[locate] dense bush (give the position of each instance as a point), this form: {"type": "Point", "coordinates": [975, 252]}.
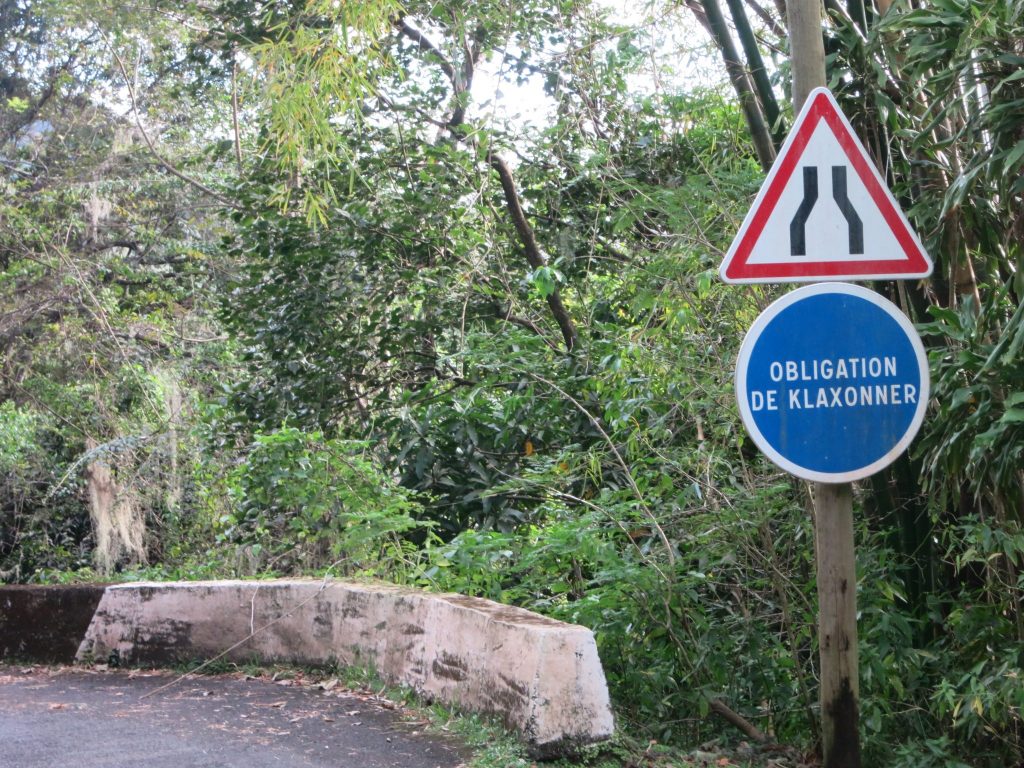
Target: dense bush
{"type": "Point", "coordinates": [299, 503]}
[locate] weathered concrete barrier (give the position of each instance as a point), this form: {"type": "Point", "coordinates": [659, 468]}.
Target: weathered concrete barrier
{"type": "Point", "coordinates": [541, 676]}
{"type": "Point", "coordinates": [45, 623]}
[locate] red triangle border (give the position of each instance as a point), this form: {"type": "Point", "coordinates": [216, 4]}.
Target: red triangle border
{"type": "Point", "coordinates": [735, 268]}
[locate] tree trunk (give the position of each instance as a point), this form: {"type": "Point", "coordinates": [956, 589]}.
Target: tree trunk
{"type": "Point", "coordinates": [738, 76]}
{"type": "Point", "coordinates": [758, 73]}
{"type": "Point", "coordinates": [534, 255]}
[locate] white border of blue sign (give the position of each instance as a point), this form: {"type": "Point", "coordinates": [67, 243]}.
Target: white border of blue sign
{"type": "Point", "coordinates": [743, 362]}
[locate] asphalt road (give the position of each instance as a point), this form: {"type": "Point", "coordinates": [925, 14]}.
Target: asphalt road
{"type": "Point", "coordinates": [88, 719]}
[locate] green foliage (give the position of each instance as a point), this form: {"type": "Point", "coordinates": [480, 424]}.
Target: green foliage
{"type": "Point", "coordinates": [980, 696]}
{"type": "Point", "coordinates": [964, 58]}
{"type": "Point", "coordinates": [963, 682]}
{"type": "Point", "coordinates": [303, 502]}
{"type": "Point", "coordinates": [28, 539]}
{"type": "Point", "coordinates": [935, 86]}
{"type": "Point", "coordinates": [19, 449]}
{"type": "Point", "coordinates": [316, 64]}
{"type": "Point", "coordinates": [670, 635]}
{"type": "Point", "coordinates": [977, 438]}
{"type": "Point", "coordinates": [105, 281]}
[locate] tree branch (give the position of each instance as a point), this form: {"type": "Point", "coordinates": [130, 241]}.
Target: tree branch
{"type": "Point", "coordinates": [534, 255]}
{"type": "Point", "coordinates": [152, 147]}
{"type": "Point", "coordinates": [131, 245]}
{"type": "Point", "coordinates": [766, 17]}
{"type": "Point", "coordinates": [234, 113]}
{"type": "Point", "coordinates": [461, 78]}
{"type": "Point", "coordinates": [750, 730]}
{"type": "Point", "coordinates": [460, 86]}
{"type": "Point", "coordinates": [505, 313]}
{"type": "Point", "coordinates": [427, 46]}
{"type": "Point", "coordinates": [54, 74]}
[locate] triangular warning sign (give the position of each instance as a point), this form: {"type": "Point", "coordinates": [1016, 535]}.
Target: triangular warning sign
{"type": "Point", "coordinates": [824, 212]}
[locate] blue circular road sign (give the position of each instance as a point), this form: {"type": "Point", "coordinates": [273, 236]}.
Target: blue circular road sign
{"type": "Point", "coordinates": [832, 382]}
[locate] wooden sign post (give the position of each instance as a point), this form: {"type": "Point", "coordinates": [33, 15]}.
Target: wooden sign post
{"type": "Point", "coordinates": [833, 504]}
{"type": "Point", "coordinates": [837, 625]}
{"type": "Point", "coordinates": [831, 379]}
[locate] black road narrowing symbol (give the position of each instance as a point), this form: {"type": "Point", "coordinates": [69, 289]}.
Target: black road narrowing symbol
{"type": "Point", "coordinates": [853, 222]}
{"type": "Point", "coordinates": [798, 226]}
{"type": "Point", "coordinates": [797, 241]}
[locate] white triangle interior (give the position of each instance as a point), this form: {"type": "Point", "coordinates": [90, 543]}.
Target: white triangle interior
{"type": "Point", "coordinates": [826, 230]}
